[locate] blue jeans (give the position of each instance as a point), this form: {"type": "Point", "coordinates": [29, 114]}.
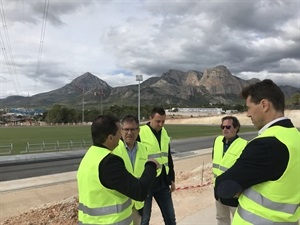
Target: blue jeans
{"type": "Point", "coordinates": [165, 203]}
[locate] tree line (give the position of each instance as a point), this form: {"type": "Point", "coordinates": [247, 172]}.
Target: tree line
{"type": "Point", "coordinates": [64, 114]}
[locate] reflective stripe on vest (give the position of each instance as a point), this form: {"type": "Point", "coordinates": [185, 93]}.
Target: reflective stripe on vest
{"type": "Point", "coordinates": [259, 199]}
{"type": "Point", "coordinates": [126, 221]}
{"type": "Point", "coordinates": [255, 219]}
{"type": "Point", "coordinates": [274, 201]}
{"type": "Point", "coordinates": [98, 204]}
{"type": "Point", "coordinates": [159, 155]}
{"type": "Point", "coordinates": [222, 168]}
{"type": "Point", "coordinates": [156, 151]}
{"type": "Point", "coordinates": [222, 162]}
{"type": "Point", "coordinates": [217, 166]}
{"type": "Point", "coordinates": [106, 210]}
{"type": "Point", "coordinates": [154, 156]}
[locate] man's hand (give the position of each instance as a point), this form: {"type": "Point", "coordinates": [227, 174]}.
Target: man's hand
{"type": "Point", "coordinates": [229, 189]}
{"type": "Point", "coordinates": [140, 211]}
{"type": "Point", "coordinates": [238, 195]}
{"type": "Point", "coordinates": [173, 187]}
{"type": "Point", "coordinates": [155, 161]}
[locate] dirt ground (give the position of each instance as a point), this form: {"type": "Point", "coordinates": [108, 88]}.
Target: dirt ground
{"type": "Point", "coordinates": [193, 189]}
{"type": "Point", "coordinates": [294, 115]}
{"type": "Point", "coordinates": [193, 192]}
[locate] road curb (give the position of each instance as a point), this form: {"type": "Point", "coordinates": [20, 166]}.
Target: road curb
{"type": "Point", "coordinates": [190, 154]}
{"type": "Point", "coordinates": [35, 182]}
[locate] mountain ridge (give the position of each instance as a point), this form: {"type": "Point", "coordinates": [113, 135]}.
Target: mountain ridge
{"type": "Point", "coordinates": [177, 88]}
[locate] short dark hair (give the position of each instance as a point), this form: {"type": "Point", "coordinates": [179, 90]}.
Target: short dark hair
{"type": "Point", "coordinates": [235, 122]}
{"type": "Point", "coordinates": [158, 110]}
{"type": "Point", "coordinates": [265, 89]}
{"type": "Point", "coordinates": [102, 127]}
{"type": "Point", "coordinates": [130, 119]}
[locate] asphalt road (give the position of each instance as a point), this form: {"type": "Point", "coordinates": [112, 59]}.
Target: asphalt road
{"type": "Point", "coordinates": [190, 144]}
{"type": "Point", "coordinates": [55, 163]}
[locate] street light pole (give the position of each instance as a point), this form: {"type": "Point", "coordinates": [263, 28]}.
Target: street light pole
{"type": "Point", "coordinates": [82, 108]}
{"type": "Point", "coordinates": [139, 78]}
{"type": "Point", "coordinates": [101, 99]}
{"type": "Point", "coordinates": [101, 93]}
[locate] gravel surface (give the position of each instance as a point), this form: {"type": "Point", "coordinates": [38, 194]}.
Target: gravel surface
{"type": "Point", "coordinates": [193, 192]}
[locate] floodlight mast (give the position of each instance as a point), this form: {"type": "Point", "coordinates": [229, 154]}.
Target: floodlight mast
{"type": "Point", "coordinates": [101, 93]}
{"type": "Point", "coordinates": [83, 93]}
{"type": "Point", "coordinates": [139, 78]}
{"type": "Point", "coordinates": [83, 106]}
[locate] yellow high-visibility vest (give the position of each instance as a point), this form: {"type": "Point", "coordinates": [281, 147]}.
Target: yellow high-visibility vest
{"type": "Point", "coordinates": [274, 202]}
{"type": "Point", "coordinates": [154, 151]}
{"type": "Point", "coordinates": [221, 162]}
{"type": "Point", "coordinates": [98, 204]}
{"type": "Point", "coordinates": [139, 164]}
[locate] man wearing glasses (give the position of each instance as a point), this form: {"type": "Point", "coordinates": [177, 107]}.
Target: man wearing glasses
{"type": "Point", "coordinates": [134, 155]}
{"type": "Point", "coordinates": [105, 187]}
{"type": "Point", "coordinates": [227, 148]}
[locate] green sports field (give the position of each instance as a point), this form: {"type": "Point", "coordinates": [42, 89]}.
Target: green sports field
{"type": "Point", "coordinates": [50, 135]}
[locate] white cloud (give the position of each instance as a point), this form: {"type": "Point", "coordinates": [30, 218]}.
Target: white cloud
{"type": "Point", "coordinates": [251, 38]}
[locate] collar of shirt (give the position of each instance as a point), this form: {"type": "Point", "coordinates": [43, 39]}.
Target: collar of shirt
{"type": "Point", "coordinates": [156, 134]}
{"type": "Point", "coordinates": [101, 146]}
{"type": "Point", "coordinates": [131, 150]}
{"type": "Point", "coordinates": [226, 145]}
{"type": "Point", "coordinates": [154, 131]}
{"type": "Point", "coordinates": [230, 140]}
{"type": "Point", "coordinates": [270, 123]}
{"type": "Point", "coordinates": [131, 153]}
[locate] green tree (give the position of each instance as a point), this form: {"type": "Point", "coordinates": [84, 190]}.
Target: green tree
{"type": "Point", "coordinates": [60, 114]}
{"type": "Point", "coordinates": [294, 101]}
{"type": "Point", "coordinates": [56, 114]}
{"type": "Point", "coordinates": [239, 107]}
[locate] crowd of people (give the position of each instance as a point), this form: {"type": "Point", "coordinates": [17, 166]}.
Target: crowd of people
{"type": "Point", "coordinates": [255, 182]}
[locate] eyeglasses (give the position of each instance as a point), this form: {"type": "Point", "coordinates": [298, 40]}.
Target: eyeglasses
{"type": "Point", "coordinates": [130, 129]}
{"type": "Point", "coordinates": [227, 127]}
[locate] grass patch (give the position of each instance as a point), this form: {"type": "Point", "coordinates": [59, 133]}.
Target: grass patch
{"type": "Point", "coordinates": [19, 136]}
{"type": "Point", "coordinates": [187, 131]}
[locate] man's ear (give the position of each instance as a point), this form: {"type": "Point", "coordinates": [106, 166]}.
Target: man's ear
{"type": "Point", "coordinates": [265, 104]}
{"type": "Point", "coordinates": [109, 137]}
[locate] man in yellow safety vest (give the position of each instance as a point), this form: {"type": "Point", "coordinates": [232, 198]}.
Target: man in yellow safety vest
{"type": "Point", "coordinates": [226, 150]}
{"type": "Point", "coordinates": [105, 187]}
{"type": "Point", "coordinates": [266, 177]}
{"type": "Point", "coordinates": [155, 137]}
{"type": "Point", "coordinates": [134, 155]}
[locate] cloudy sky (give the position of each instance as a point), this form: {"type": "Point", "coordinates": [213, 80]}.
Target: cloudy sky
{"type": "Point", "coordinates": [47, 43]}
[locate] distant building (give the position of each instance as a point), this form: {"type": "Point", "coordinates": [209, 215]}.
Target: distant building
{"type": "Point", "coordinates": [231, 111]}
{"type": "Point", "coordinates": [19, 116]}
{"type": "Point", "coordinates": [194, 112]}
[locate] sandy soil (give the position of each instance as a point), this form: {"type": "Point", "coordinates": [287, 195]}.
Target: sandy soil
{"type": "Point", "coordinates": [33, 206]}
{"type": "Point", "coordinates": [294, 115]}
{"type": "Point", "coordinates": [194, 189]}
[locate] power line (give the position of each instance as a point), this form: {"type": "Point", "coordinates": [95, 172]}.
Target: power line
{"type": "Point", "coordinates": [9, 58]}
{"type": "Point", "coordinates": [43, 31]}
{"type": "Point", "coordinates": [5, 55]}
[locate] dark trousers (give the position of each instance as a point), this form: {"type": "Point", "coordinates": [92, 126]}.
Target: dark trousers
{"type": "Point", "coordinates": [164, 200]}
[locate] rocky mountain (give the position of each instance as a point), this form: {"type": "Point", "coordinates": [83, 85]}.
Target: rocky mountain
{"type": "Point", "coordinates": [176, 88]}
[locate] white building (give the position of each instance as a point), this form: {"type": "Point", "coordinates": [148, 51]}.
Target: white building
{"type": "Point", "coordinates": [194, 112]}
